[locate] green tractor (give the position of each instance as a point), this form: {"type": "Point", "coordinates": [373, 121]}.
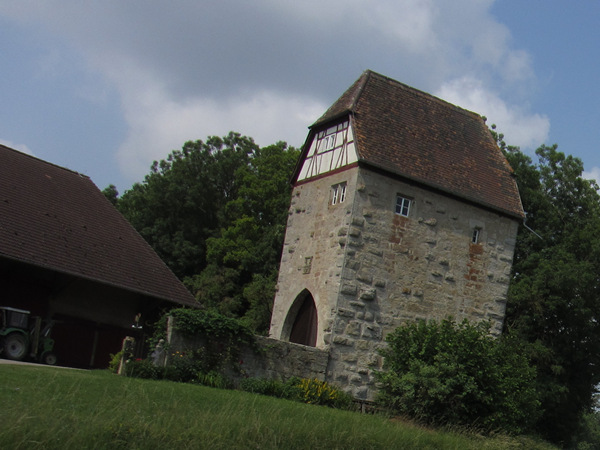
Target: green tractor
{"type": "Point", "coordinates": [19, 339]}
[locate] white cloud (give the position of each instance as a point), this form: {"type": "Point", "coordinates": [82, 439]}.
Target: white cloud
{"type": "Point", "coordinates": [20, 147]}
{"type": "Point", "coordinates": [519, 127]}
{"type": "Point", "coordinates": [593, 174]}
{"type": "Point", "coordinates": [158, 125]}
{"type": "Point", "coordinates": [269, 68]}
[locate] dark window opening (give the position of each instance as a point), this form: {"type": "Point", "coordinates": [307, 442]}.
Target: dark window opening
{"type": "Point", "coordinates": [475, 237]}
{"type": "Point", "coordinates": [304, 329]}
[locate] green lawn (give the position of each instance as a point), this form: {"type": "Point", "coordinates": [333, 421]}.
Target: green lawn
{"type": "Point", "coordinates": [50, 408]}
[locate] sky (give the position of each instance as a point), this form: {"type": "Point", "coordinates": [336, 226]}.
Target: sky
{"type": "Point", "coordinates": [105, 88]}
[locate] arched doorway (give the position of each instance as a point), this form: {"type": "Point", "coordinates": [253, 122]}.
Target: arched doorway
{"type": "Point", "coordinates": [302, 320]}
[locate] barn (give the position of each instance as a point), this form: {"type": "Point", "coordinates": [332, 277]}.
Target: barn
{"type": "Point", "coordinates": [67, 255]}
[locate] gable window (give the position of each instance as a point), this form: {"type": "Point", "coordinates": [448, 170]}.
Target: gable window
{"type": "Point", "coordinates": [338, 193]}
{"type": "Point", "coordinates": [402, 205]}
{"type": "Point", "coordinates": [327, 138]}
{"type": "Point", "coordinates": [329, 142]}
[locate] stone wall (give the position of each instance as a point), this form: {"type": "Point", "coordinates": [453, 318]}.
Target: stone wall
{"type": "Point", "coordinates": [272, 359]}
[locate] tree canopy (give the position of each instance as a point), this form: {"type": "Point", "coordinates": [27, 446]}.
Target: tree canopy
{"type": "Point", "coordinates": [215, 212]}
{"type": "Point", "coordinates": [554, 295]}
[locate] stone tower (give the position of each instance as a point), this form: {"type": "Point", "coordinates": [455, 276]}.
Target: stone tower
{"type": "Point", "coordinates": [403, 208]}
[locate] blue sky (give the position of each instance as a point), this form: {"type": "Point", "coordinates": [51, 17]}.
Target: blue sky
{"type": "Point", "coordinates": [105, 88]}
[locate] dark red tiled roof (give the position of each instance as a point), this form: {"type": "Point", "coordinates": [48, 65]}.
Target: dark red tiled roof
{"type": "Point", "coordinates": [55, 218]}
{"type": "Point", "coordinates": [413, 134]}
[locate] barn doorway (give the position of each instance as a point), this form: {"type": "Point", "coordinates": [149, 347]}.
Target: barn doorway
{"type": "Point", "coordinates": [302, 320]}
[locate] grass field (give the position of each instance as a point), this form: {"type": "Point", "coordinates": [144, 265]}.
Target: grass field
{"type": "Point", "coordinates": [50, 408]}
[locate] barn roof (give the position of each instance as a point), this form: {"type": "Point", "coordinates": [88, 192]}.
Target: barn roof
{"type": "Point", "coordinates": [415, 135]}
{"type": "Point", "coordinates": [58, 219]}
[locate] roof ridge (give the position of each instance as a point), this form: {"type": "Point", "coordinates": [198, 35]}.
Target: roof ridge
{"type": "Point", "coordinates": [364, 81]}
{"type": "Point", "coordinates": [20, 153]}
{"type": "Point", "coordinates": [346, 103]}
{"type": "Point", "coordinates": [424, 94]}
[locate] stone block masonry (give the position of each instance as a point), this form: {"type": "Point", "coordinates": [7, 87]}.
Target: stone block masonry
{"type": "Point", "coordinates": [272, 359]}
{"type": "Point", "coordinates": [373, 269]}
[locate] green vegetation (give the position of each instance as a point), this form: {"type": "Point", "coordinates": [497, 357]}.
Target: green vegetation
{"type": "Point", "coordinates": [554, 295]}
{"type": "Point", "coordinates": [228, 331]}
{"type": "Point", "coordinates": [306, 390]}
{"type": "Point", "coordinates": [215, 212]}
{"type": "Point", "coordinates": [447, 373]}
{"type": "Point", "coordinates": [218, 341]}
{"type": "Point", "coordinates": [51, 408]}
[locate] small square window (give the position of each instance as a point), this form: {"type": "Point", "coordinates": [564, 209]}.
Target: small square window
{"type": "Point", "coordinates": [475, 237]}
{"type": "Point", "coordinates": [338, 193]}
{"type": "Point", "coordinates": [402, 205]}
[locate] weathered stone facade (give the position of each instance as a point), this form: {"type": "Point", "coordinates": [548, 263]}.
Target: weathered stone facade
{"type": "Point", "coordinates": [372, 269]}
{"type": "Point", "coordinates": [403, 208]}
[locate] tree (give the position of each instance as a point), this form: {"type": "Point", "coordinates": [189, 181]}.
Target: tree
{"type": "Point", "coordinates": [215, 212]}
{"type": "Point", "coordinates": [111, 194]}
{"type": "Point", "coordinates": [244, 257]}
{"type": "Point", "coordinates": [554, 295]}
{"type": "Point", "coordinates": [180, 203]}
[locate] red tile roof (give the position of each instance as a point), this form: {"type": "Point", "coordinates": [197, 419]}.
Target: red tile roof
{"type": "Point", "coordinates": [417, 136]}
{"type": "Point", "coordinates": [58, 219]}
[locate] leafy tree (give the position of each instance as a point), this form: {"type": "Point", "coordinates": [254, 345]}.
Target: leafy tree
{"type": "Point", "coordinates": [447, 373]}
{"type": "Point", "coordinates": [180, 203]}
{"type": "Point", "coordinates": [215, 212]}
{"type": "Point", "coordinates": [588, 435]}
{"type": "Point", "coordinates": [243, 259]}
{"type": "Point", "coordinates": [554, 295]}
{"type": "Point", "coordinates": [111, 194]}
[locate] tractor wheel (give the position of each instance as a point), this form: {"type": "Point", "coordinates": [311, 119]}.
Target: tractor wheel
{"type": "Point", "coordinates": [15, 346]}
{"type": "Point", "coordinates": [49, 358]}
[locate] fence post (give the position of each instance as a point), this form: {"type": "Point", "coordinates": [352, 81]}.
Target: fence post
{"type": "Point", "coordinates": [128, 348]}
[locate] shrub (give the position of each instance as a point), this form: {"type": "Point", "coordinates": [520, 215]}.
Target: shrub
{"type": "Point", "coordinates": [447, 373]}
{"type": "Point", "coordinates": [199, 322]}
{"type": "Point", "coordinates": [183, 367]}
{"type": "Point", "coordinates": [319, 392]}
{"type": "Point", "coordinates": [306, 390]}
{"type": "Point", "coordinates": [142, 368]}
{"type": "Point", "coordinates": [115, 361]}
{"type": "Point", "coordinates": [273, 388]}
{"type": "Point", "coordinates": [214, 379]}
{"type": "Point", "coordinates": [222, 338]}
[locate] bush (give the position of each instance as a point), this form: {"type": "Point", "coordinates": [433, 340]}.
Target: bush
{"type": "Point", "coordinates": [447, 373]}
{"type": "Point", "coordinates": [222, 338]}
{"type": "Point", "coordinates": [273, 388]}
{"type": "Point", "coordinates": [142, 368]}
{"type": "Point", "coordinates": [115, 361]}
{"type": "Point", "coordinates": [214, 379]}
{"type": "Point", "coordinates": [184, 367]}
{"type": "Point", "coordinates": [306, 390]}
{"type": "Point", "coordinates": [319, 392]}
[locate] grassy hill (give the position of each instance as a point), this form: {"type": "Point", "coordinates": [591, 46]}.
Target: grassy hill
{"type": "Point", "coordinates": [51, 408]}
